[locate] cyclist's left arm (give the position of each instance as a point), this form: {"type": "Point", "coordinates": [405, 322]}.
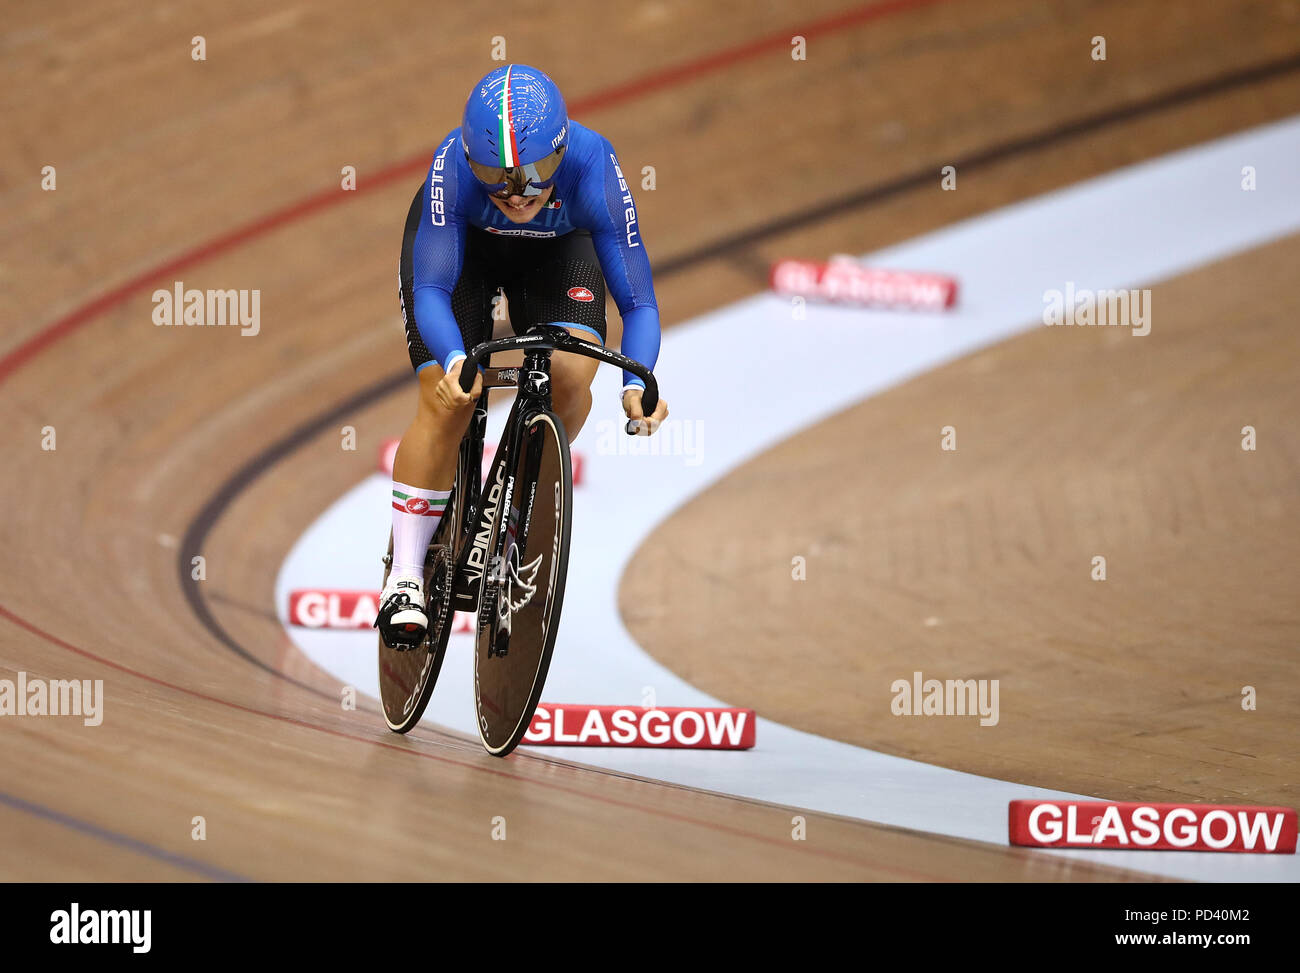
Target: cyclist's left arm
{"type": "Point", "coordinates": [605, 198]}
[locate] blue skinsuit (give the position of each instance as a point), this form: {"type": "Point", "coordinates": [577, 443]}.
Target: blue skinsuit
{"type": "Point", "coordinates": [593, 196]}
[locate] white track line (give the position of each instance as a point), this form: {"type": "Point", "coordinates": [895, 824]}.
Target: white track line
{"type": "Point", "coordinates": [1132, 227]}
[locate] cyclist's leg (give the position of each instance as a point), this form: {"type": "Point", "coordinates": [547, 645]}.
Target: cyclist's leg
{"type": "Point", "coordinates": [571, 377]}
{"type": "Point", "coordinates": [566, 287]}
{"type": "Point", "coordinates": [426, 456]}
{"type": "Point", "coordinates": [424, 467]}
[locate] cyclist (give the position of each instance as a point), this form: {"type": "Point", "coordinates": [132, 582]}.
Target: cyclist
{"type": "Point", "coordinates": [524, 201]}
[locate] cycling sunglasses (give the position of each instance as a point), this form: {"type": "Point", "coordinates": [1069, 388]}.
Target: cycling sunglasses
{"type": "Point", "coordinates": [529, 180]}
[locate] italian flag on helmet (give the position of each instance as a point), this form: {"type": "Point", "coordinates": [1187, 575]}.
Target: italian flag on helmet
{"type": "Point", "coordinates": [515, 116]}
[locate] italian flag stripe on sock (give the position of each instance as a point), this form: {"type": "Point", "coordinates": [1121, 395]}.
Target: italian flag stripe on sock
{"type": "Point", "coordinates": [418, 505]}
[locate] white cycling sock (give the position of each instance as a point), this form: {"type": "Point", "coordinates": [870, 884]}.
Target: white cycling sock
{"type": "Point", "coordinates": [416, 514]}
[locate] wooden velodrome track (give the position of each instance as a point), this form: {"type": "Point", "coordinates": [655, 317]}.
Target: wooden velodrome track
{"type": "Point", "coordinates": [175, 442]}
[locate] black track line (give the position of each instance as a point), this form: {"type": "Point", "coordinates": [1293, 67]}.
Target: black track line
{"type": "Point", "coordinates": [998, 152]}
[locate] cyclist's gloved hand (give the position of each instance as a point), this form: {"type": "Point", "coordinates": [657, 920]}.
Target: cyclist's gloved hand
{"type": "Point", "coordinates": [637, 422]}
{"type": "Point", "coordinates": [449, 393]}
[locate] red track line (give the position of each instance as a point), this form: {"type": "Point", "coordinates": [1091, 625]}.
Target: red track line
{"type": "Point", "coordinates": [637, 87]}
{"type": "Point", "coordinates": [478, 767]}
{"type": "Point", "coordinates": [712, 62]}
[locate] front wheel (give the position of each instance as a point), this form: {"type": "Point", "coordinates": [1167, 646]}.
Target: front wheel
{"type": "Point", "coordinates": [524, 590]}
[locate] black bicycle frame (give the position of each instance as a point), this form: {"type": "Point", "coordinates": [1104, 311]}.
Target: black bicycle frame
{"type": "Point", "coordinates": [476, 548]}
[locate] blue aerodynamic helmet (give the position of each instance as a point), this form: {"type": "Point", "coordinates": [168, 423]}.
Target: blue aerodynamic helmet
{"type": "Point", "coordinates": [515, 130]}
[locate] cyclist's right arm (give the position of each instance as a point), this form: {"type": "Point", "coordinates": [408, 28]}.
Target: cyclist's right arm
{"type": "Point", "coordinates": [436, 258]}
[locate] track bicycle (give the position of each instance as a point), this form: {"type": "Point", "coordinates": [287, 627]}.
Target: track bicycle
{"type": "Point", "coordinates": [501, 550]}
